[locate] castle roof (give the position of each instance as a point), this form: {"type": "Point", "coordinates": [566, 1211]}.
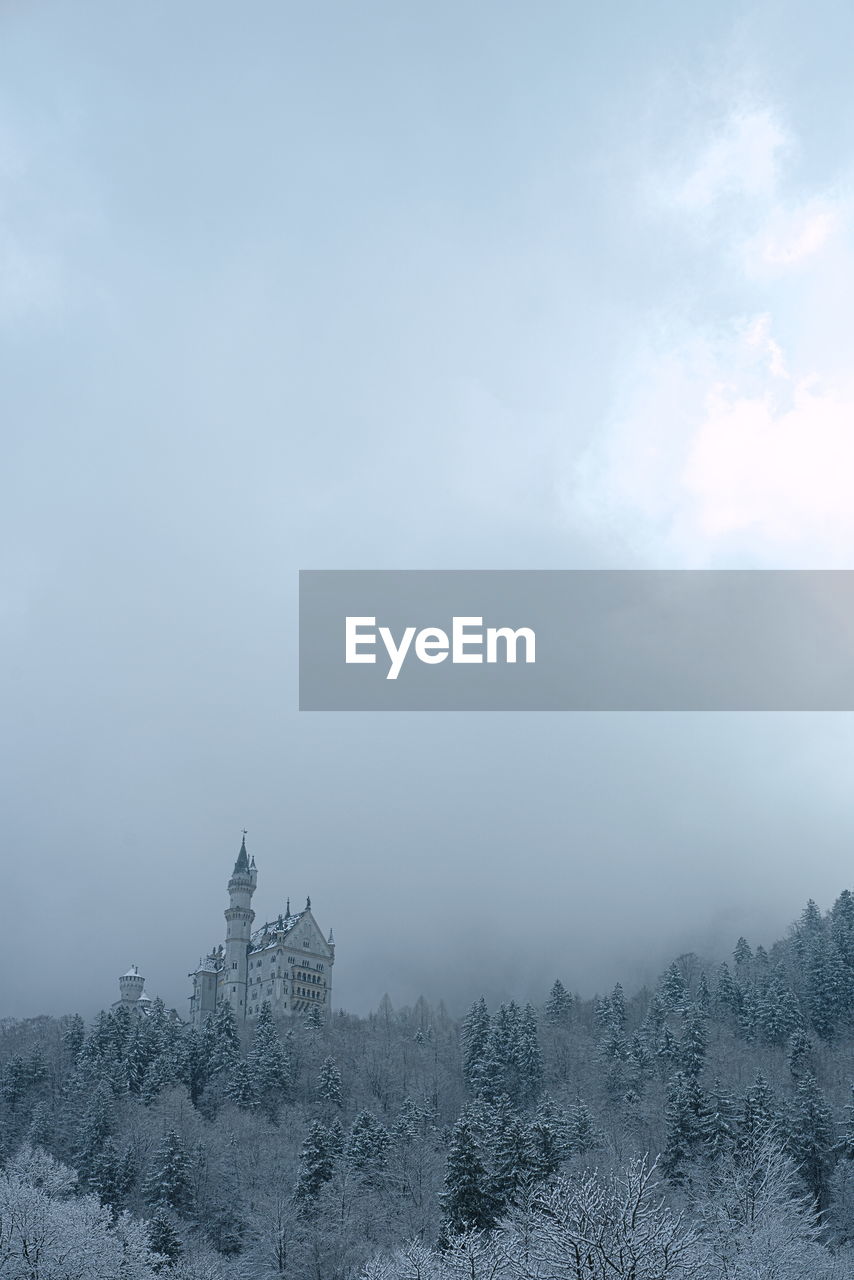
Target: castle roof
{"type": "Point", "coordinates": [270, 928]}
{"type": "Point", "coordinates": [242, 863]}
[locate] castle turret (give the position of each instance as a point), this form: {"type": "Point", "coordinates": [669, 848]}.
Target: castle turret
{"type": "Point", "coordinates": [238, 916]}
{"type": "Point", "coordinates": [131, 985]}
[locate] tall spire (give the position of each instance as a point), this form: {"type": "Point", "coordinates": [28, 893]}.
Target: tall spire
{"type": "Point", "coordinates": [242, 863]}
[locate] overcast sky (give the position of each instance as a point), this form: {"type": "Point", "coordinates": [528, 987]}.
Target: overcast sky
{"type": "Point", "coordinates": [437, 285]}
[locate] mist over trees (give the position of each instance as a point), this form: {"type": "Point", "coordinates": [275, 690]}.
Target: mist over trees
{"type": "Point", "coordinates": [701, 1128]}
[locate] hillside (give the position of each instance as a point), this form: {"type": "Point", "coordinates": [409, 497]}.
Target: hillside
{"type": "Point", "coordinates": [506, 1141]}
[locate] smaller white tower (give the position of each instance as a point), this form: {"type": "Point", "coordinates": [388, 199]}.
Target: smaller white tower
{"type": "Point", "coordinates": [131, 986]}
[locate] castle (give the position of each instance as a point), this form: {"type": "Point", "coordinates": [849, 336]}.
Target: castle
{"type": "Point", "coordinates": [286, 963]}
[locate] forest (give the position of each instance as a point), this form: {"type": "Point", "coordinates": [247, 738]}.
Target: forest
{"type": "Point", "coordinates": [703, 1127]}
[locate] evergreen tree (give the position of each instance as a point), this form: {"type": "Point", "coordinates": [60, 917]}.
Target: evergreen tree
{"type": "Point", "coordinates": [162, 1073]}
{"type": "Point", "coordinates": [242, 1086]}
{"type": "Point", "coordinates": [558, 1010]}
{"type": "Point", "coordinates": [317, 1162]}
{"type": "Point", "coordinates": [499, 1071]}
{"type": "Point", "coordinates": [800, 1053]}
{"type": "Point", "coordinates": [511, 1155]}
{"type": "Point", "coordinates": [14, 1081]}
{"type": "Point", "coordinates": [269, 1063]}
{"type": "Point", "coordinates": [549, 1139]}
{"type": "Point", "coordinates": [777, 1011]}
{"type": "Point", "coordinates": [113, 1175]}
{"type": "Point", "coordinates": [842, 927]}
{"type": "Point", "coordinates": [827, 983]}
{"type": "Point", "coordinates": [719, 1124]}
{"type": "Point", "coordinates": [195, 1063]}
{"type": "Point", "coordinates": [73, 1035]}
{"type": "Point", "coordinates": [667, 1051]}
{"type": "Point", "coordinates": [36, 1068]}
{"type": "Point", "coordinates": [95, 1127]}
{"type": "Point", "coordinates": [475, 1036]}
{"type": "Point", "coordinates": [673, 987]}
{"type": "Point", "coordinates": [686, 1114]}
{"type": "Point", "coordinates": [367, 1147]}
{"type": "Point", "coordinates": [529, 1055]}
{"type": "Point", "coordinates": [640, 1062]}
{"type": "Point", "coordinates": [41, 1125]}
{"type": "Point", "coordinates": [704, 995]}
{"type": "Point", "coordinates": [330, 1084]}
{"type": "Point", "coordinates": [225, 1049]}
{"type": "Point", "coordinates": [811, 1138]}
{"type": "Point", "coordinates": [759, 1118]}
{"type": "Point", "coordinates": [692, 1050]}
{"type": "Point", "coordinates": [728, 995]}
{"type": "Point", "coordinates": [742, 955]}
{"type": "Point", "coordinates": [168, 1184]}
{"type": "Point", "coordinates": [748, 1014]}
{"type": "Point", "coordinates": [618, 1007]}
{"type": "Point", "coordinates": [468, 1200]}
{"type": "Point", "coordinates": [602, 1013]}
{"type": "Point", "coordinates": [164, 1240]}
{"type": "Point", "coordinates": [845, 1148]}
{"type": "Point", "coordinates": [583, 1135]}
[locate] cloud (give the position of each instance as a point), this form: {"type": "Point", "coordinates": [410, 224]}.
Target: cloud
{"type": "Point", "coordinates": [742, 160]}
{"type": "Point", "coordinates": [731, 438]}
{"type": "Point", "coordinates": [788, 236]}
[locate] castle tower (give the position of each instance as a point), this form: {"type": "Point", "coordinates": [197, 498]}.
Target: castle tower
{"type": "Point", "coordinates": [238, 917]}
{"type": "Point", "coordinates": [130, 987]}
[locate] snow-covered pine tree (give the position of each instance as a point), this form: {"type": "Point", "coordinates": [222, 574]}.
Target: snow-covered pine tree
{"type": "Point", "coordinates": [168, 1184]}
{"type": "Point", "coordinates": [511, 1155]}
{"type": "Point", "coordinates": [742, 955]}
{"type": "Point", "coordinates": [316, 1163]}
{"type": "Point", "coordinates": [96, 1125]}
{"type": "Point", "coordinates": [164, 1240]}
{"type": "Point", "coordinates": [800, 1053]}
{"type": "Point", "coordinates": [686, 1114]}
{"type": "Point", "coordinates": [73, 1035]}
{"type": "Point", "coordinates": [692, 1047]}
{"type": "Point", "coordinates": [367, 1147]}
{"type": "Point", "coordinates": [558, 1008]}
{"type": "Point", "coordinates": [673, 988]}
{"type": "Point", "coordinates": [468, 1200]}
{"type": "Point", "coordinates": [811, 1137]}
{"type": "Point", "coordinates": [113, 1175]}
{"type": "Point", "coordinates": [241, 1085]}
{"type": "Point", "coordinates": [330, 1086]}
{"type": "Point", "coordinates": [475, 1034]}
{"type": "Point", "coordinates": [529, 1056]}
{"type": "Point", "coordinates": [225, 1049]}
{"type": "Point", "coordinates": [583, 1133]}
{"type": "Point", "coordinates": [41, 1125]}
{"type": "Point", "coordinates": [269, 1064]}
